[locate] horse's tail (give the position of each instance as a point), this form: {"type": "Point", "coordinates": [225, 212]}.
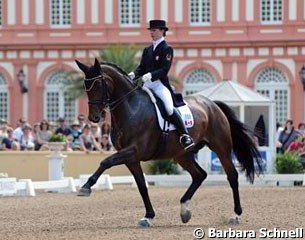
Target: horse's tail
{"type": "Point", "coordinates": [244, 146]}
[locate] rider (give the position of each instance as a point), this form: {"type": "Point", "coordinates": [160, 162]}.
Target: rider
{"type": "Point", "coordinates": [154, 66]}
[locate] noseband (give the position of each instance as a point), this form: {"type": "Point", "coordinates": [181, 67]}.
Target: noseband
{"type": "Point", "coordinates": [105, 101]}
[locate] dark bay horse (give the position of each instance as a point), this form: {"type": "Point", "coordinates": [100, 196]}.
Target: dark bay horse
{"type": "Point", "coordinates": [136, 134]}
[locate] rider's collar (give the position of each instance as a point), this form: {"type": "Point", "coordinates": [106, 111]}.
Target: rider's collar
{"type": "Point", "coordinates": [157, 42]}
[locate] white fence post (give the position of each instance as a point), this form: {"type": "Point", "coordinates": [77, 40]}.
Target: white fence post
{"type": "Point", "coordinates": [29, 188]}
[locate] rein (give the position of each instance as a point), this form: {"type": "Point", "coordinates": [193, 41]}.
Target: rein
{"type": "Point", "coordinates": [106, 101]}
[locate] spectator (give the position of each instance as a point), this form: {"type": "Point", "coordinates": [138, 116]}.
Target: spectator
{"type": "Point", "coordinates": [27, 140]}
{"type": "Point", "coordinates": [287, 136]}
{"type": "Point", "coordinates": [297, 146]}
{"type": "Point", "coordinates": [301, 128]}
{"type": "Point", "coordinates": [3, 129]}
{"type": "Point", "coordinates": [42, 134]}
{"type": "Point", "coordinates": [9, 142]}
{"type": "Point", "coordinates": [82, 120]}
{"type": "Point", "coordinates": [19, 130]}
{"type": "Point", "coordinates": [63, 128]}
{"type": "Point", "coordinates": [105, 128]}
{"type": "Point", "coordinates": [87, 141]}
{"type": "Point", "coordinates": [96, 132]}
{"type": "Point", "coordinates": [105, 143]}
{"type": "Point", "coordinates": [69, 144]}
{"type": "Point", "coordinates": [52, 127]}
{"type": "Point", "coordinates": [75, 133]}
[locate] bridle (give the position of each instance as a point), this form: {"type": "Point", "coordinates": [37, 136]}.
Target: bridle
{"type": "Point", "coordinates": [105, 101]}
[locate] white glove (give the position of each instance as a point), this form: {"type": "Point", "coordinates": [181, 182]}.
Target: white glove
{"type": "Point", "coordinates": [131, 75]}
{"type": "Point", "coordinates": [146, 77]}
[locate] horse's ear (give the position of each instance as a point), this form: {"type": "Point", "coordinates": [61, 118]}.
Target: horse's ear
{"type": "Point", "coordinates": [97, 64]}
{"type": "Point", "coordinates": [82, 66]}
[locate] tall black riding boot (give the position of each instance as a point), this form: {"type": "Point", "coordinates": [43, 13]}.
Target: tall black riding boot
{"type": "Point", "coordinates": [185, 139]}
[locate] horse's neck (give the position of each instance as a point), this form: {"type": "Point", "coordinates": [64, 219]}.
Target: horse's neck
{"type": "Point", "coordinates": [133, 106]}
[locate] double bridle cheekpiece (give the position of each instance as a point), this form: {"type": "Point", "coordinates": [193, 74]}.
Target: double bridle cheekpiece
{"type": "Point", "coordinates": [105, 101]}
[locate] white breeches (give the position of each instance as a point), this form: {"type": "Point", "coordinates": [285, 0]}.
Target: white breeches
{"type": "Point", "coordinates": [163, 93]}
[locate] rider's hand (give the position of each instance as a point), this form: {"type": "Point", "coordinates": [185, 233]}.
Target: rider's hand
{"type": "Point", "coordinates": [146, 77]}
{"type": "Point", "coordinates": [131, 75]}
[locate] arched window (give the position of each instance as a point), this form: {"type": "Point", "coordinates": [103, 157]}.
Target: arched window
{"type": "Point", "coordinates": [3, 98]}
{"type": "Point", "coordinates": [198, 80]}
{"type": "Point", "coordinates": [273, 83]}
{"type": "Point", "coordinates": [57, 100]}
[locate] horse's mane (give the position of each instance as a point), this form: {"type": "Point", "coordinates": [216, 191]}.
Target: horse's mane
{"type": "Point", "coordinates": [116, 67]}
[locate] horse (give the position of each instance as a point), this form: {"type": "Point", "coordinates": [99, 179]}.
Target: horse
{"type": "Point", "coordinates": [136, 134]}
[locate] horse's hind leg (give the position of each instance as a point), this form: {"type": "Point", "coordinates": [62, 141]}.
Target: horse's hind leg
{"type": "Point", "coordinates": [137, 172]}
{"type": "Point", "coordinates": [232, 176]}
{"type": "Point", "coordinates": [187, 161]}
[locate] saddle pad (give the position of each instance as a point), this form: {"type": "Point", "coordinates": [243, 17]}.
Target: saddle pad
{"type": "Point", "coordinates": [185, 112]}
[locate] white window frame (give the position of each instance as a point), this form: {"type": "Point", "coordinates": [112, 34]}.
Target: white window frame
{"type": "Point", "coordinates": [200, 23]}
{"type": "Point", "coordinates": [129, 15]}
{"type": "Point", "coordinates": [196, 87]}
{"type": "Point", "coordinates": [4, 89]}
{"type": "Point", "coordinates": [58, 89]}
{"type": "Point", "coordinates": [61, 25]}
{"type": "Point", "coordinates": [275, 22]}
{"type": "Point", "coordinates": [272, 87]}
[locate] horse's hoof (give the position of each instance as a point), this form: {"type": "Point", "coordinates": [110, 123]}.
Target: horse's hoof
{"type": "Point", "coordinates": [235, 220]}
{"type": "Point", "coordinates": [185, 212]}
{"type": "Point", "coordinates": [84, 192]}
{"type": "Point", "coordinates": [145, 222]}
{"type": "Point", "coordinates": [186, 216]}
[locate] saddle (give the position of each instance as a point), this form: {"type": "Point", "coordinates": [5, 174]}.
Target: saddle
{"type": "Point", "coordinates": [163, 120]}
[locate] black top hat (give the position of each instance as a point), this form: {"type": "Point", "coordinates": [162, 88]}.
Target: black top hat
{"type": "Point", "coordinates": [161, 24]}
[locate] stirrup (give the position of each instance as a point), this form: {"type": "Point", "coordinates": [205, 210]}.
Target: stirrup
{"type": "Point", "coordinates": [186, 141]}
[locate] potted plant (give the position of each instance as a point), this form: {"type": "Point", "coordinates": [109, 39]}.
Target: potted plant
{"type": "Point", "coordinates": [57, 142]}
{"type": "Point", "coordinates": [287, 163]}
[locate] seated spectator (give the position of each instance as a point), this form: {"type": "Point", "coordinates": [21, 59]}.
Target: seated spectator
{"type": "Point", "coordinates": [3, 129]}
{"type": "Point", "coordinates": [105, 143]}
{"type": "Point", "coordinates": [76, 132]}
{"type": "Point", "coordinates": [19, 130]}
{"type": "Point", "coordinates": [301, 128]}
{"type": "Point", "coordinates": [52, 127]}
{"type": "Point", "coordinates": [63, 128]}
{"type": "Point", "coordinates": [87, 141]}
{"type": "Point", "coordinates": [96, 132]}
{"type": "Point", "coordinates": [27, 140]}
{"type": "Point", "coordinates": [105, 128]}
{"type": "Point", "coordinates": [82, 120]}
{"type": "Point", "coordinates": [42, 134]}
{"type": "Point", "coordinates": [9, 142]}
{"type": "Point", "coordinates": [69, 144]}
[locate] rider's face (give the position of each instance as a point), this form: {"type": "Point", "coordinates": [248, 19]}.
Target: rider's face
{"type": "Point", "coordinates": [156, 33]}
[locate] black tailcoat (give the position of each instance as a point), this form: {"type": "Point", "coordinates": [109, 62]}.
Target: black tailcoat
{"type": "Point", "coordinates": [158, 63]}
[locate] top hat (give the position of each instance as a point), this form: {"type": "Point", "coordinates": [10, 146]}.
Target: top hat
{"type": "Point", "coordinates": [161, 24]}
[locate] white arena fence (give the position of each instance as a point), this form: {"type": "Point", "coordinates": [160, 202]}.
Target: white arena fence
{"type": "Point", "coordinates": [27, 187]}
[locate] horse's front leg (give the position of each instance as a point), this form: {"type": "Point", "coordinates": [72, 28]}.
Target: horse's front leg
{"type": "Point", "coordinates": [137, 172]}
{"type": "Point", "coordinates": [121, 157]}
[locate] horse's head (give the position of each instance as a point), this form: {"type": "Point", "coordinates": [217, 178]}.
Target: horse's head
{"type": "Point", "coordinates": [98, 89]}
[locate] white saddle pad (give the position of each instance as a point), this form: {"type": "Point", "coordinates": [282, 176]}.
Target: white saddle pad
{"type": "Point", "coordinates": [185, 112]}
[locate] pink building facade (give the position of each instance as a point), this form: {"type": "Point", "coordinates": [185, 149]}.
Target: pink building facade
{"type": "Point", "coordinates": [258, 43]}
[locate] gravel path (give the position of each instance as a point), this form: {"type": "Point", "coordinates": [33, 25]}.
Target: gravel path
{"type": "Point", "coordinates": [114, 214]}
